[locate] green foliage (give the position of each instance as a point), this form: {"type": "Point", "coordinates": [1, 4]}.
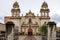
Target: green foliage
{"type": "Point", "coordinates": [43, 28]}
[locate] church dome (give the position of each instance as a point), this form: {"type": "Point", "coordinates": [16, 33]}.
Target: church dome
{"type": "Point", "coordinates": [15, 5]}
{"type": "Point", "coordinates": [44, 5]}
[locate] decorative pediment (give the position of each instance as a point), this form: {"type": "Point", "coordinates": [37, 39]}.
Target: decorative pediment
{"type": "Point", "coordinates": [30, 14]}
{"type": "Point", "coordinates": [32, 24]}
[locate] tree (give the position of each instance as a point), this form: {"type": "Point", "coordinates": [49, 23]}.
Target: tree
{"type": "Point", "coordinates": [43, 29]}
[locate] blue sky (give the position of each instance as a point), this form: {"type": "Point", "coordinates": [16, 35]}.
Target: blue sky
{"type": "Point", "coordinates": [33, 5]}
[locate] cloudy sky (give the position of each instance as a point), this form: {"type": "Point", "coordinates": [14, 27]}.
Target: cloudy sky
{"type": "Point", "coordinates": [33, 5]}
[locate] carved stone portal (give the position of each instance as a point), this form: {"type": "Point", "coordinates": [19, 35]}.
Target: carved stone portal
{"type": "Point", "coordinates": [30, 32]}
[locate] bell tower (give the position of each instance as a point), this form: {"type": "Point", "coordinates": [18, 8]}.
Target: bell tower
{"type": "Point", "coordinates": [44, 10]}
{"type": "Point", "coordinates": [15, 10]}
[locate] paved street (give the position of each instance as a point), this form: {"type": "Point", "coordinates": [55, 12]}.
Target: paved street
{"type": "Point", "coordinates": [30, 38]}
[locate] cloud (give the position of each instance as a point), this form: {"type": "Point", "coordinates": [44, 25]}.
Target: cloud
{"type": "Point", "coordinates": [1, 19]}
{"type": "Point", "coordinates": [56, 18]}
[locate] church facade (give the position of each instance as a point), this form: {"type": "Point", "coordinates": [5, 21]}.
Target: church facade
{"type": "Point", "coordinates": [29, 21]}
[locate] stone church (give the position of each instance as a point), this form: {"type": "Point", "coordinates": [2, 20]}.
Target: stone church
{"type": "Point", "coordinates": [29, 21]}
{"type": "Point", "coordinates": [16, 24]}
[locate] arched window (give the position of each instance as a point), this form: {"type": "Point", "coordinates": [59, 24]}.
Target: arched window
{"type": "Point", "coordinates": [30, 20]}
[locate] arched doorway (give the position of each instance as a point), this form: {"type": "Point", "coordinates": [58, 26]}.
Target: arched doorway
{"type": "Point", "coordinates": [30, 32]}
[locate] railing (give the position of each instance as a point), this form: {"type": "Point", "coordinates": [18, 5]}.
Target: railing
{"type": "Point", "coordinates": [2, 38]}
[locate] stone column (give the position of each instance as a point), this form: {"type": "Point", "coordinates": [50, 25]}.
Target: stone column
{"type": "Point", "coordinates": [54, 33]}
{"type": "Point", "coordinates": [51, 31]}
{"type": "Point", "coordinates": [24, 30]}
{"type": "Point", "coordinates": [35, 30]}
{"type": "Point", "coordinates": [48, 36]}
{"type": "Point", "coordinates": [11, 35]}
